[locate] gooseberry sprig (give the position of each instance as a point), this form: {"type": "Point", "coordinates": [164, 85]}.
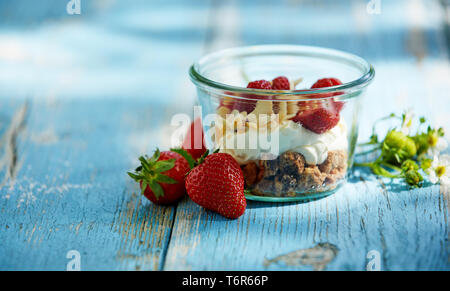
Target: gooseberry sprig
{"type": "Point", "coordinates": [404, 155]}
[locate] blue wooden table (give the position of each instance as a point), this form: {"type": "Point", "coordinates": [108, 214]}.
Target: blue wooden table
{"type": "Point", "coordinates": [82, 96]}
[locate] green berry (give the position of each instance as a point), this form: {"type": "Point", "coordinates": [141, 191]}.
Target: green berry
{"type": "Point", "coordinates": [409, 165]}
{"type": "Point", "coordinates": [410, 147]}
{"type": "Point", "coordinates": [395, 140]}
{"type": "Point", "coordinates": [413, 178]}
{"type": "Point", "coordinates": [397, 147]}
{"type": "Point", "coordinates": [421, 141]}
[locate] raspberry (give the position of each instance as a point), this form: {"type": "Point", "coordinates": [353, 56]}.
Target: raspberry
{"type": "Point", "coordinates": [260, 84]}
{"type": "Point", "coordinates": [318, 120]}
{"type": "Point", "coordinates": [244, 105]}
{"type": "Point", "coordinates": [326, 82]}
{"type": "Point", "coordinates": [329, 82]}
{"type": "Point", "coordinates": [281, 83]}
{"type": "Point", "coordinates": [249, 105]}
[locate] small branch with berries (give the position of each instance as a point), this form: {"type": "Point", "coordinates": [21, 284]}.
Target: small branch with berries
{"type": "Point", "coordinates": [406, 155]}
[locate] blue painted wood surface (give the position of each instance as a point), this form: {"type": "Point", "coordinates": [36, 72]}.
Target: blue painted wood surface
{"type": "Point", "coordinates": [82, 96]}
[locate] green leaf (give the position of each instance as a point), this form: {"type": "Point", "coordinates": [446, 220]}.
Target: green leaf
{"type": "Point", "coordinates": [380, 171]}
{"type": "Point", "coordinates": [145, 164]}
{"type": "Point", "coordinates": [165, 179]}
{"type": "Point", "coordinates": [397, 158]}
{"type": "Point", "coordinates": [392, 167]}
{"type": "Point", "coordinates": [143, 186]}
{"type": "Point", "coordinates": [203, 157]}
{"type": "Point", "coordinates": [162, 166]}
{"type": "Point", "coordinates": [156, 189]}
{"type": "Point", "coordinates": [373, 139]}
{"type": "Point", "coordinates": [155, 156]}
{"type": "Point", "coordinates": [135, 177]}
{"type": "Point", "coordinates": [185, 155]}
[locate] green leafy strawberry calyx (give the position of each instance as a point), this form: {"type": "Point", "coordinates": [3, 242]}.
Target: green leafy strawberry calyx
{"type": "Point", "coordinates": [191, 161]}
{"type": "Point", "coordinates": [149, 173]}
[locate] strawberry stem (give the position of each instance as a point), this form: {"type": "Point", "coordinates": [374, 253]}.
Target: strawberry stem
{"type": "Point", "coordinates": [149, 173]}
{"type": "Point", "coordinates": [185, 155]}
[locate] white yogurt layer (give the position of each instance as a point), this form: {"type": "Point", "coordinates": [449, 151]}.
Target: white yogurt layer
{"type": "Point", "coordinates": [292, 137]}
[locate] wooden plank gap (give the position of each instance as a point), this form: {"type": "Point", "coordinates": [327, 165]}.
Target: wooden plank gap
{"type": "Point", "coordinates": [10, 158]}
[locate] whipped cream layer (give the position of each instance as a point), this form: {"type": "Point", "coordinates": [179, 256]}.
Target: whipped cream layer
{"type": "Point", "coordinates": [292, 137]}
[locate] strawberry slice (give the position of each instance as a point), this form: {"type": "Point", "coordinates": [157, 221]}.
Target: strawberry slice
{"type": "Point", "coordinates": [318, 120]}
{"type": "Point", "coordinates": [321, 115]}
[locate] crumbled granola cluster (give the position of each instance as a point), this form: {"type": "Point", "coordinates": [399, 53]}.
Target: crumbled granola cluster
{"type": "Point", "coordinates": [290, 175]}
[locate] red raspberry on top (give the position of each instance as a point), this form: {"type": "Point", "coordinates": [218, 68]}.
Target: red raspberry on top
{"type": "Point", "coordinates": [330, 82]}
{"type": "Point", "coordinates": [281, 83]}
{"type": "Point", "coordinates": [322, 115]}
{"type": "Point", "coordinates": [326, 82]}
{"type": "Point", "coordinates": [249, 105]}
{"type": "Point", "coordinates": [260, 84]}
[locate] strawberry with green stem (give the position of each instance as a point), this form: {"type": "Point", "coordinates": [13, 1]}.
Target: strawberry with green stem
{"type": "Point", "coordinates": [161, 177]}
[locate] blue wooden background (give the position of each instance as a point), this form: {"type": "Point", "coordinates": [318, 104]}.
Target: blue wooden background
{"type": "Point", "coordinates": [81, 96]}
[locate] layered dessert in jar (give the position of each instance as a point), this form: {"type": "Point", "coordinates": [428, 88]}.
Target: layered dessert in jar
{"type": "Point", "coordinates": [293, 137]}
{"type": "Point", "coordinates": [312, 150]}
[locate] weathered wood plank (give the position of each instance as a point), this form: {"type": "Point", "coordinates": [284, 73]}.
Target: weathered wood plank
{"type": "Point", "coordinates": [71, 191]}
{"type": "Point", "coordinates": [407, 229]}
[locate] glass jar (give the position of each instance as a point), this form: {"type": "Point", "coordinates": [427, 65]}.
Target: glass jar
{"type": "Point", "coordinates": [292, 145]}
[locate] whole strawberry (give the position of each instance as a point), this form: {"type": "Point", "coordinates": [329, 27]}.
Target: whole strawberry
{"type": "Point", "coordinates": [194, 141]}
{"type": "Point", "coordinates": [161, 177]}
{"type": "Point", "coordinates": [217, 184]}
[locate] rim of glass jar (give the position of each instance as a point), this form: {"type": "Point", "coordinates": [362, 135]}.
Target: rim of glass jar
{"type": "Point", "coordinates": [295, 50]}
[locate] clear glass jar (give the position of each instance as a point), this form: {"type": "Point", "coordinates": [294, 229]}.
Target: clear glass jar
{"type": "Point", "coordinates": [292, 145]}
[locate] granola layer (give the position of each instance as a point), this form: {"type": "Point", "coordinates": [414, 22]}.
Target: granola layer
{"type": "Point", "coordinates": [289, 175]}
